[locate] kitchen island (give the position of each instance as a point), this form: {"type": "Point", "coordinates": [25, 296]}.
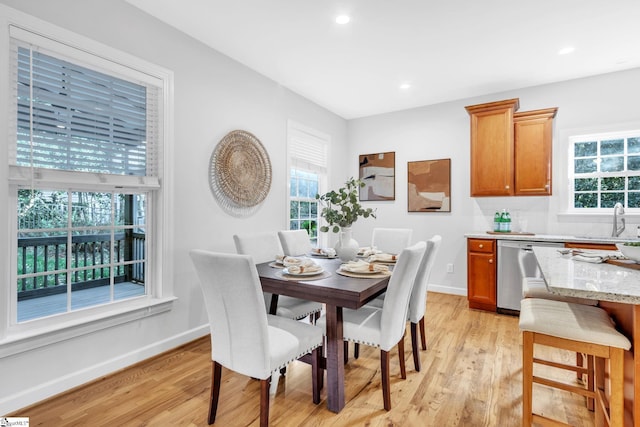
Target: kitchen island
{"type": "Point", "coordinates": [617, 288]}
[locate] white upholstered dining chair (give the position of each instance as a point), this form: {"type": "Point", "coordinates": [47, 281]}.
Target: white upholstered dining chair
{"type": "Point", "coordinates": [233, 300]}
{"type": "Point", "coordinates": [418, 301]}
{"type": "Point", "coordinates": [385, 328]}
{"type": "Point", "coordinates": [391, 240]}
{"type": "Point", "coordinates": [263, 246]}
{"type": "Point", "coordinates": [295, 242]}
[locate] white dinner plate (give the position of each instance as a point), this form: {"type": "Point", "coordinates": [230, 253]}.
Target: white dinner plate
{"type": "Point", "coordinates": [310, 273]}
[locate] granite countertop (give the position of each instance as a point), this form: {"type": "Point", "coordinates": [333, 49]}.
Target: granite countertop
{"type": "Point", "coordinates": [547, 237]}
{"type": "Point", "coordinates": [599, 281]}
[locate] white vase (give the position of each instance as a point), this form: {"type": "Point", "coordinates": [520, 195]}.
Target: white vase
{"type": "Point", "coordinates": [346, 248]}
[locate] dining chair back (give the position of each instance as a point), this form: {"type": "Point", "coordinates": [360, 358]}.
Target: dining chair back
{"type": "Point", "coordinates": [233, 300]}
{"type": "Point", "coordinates": [295, 242]}
{"type": "Point", "coordinates": [263, 246]}
{"type": "Point", "coordinates": [391, 240]}
{"type": "Point", "coordinates": [418, 301]}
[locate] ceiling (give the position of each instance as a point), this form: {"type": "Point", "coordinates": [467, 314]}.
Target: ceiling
{"type": "Point", "coordinates": [446, 50]}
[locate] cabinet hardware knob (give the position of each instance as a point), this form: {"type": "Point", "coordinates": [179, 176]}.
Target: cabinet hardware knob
{"type": "Point", "coordinates": [506, 186]}
{"type": "Point", "coordinates": [481, 245]}
{"type": "Point", "coordinates": [491, 261]}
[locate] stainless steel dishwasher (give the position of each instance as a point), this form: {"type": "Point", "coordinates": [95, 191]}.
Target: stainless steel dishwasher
{"type": "Point", "coordinates": [515, 261]}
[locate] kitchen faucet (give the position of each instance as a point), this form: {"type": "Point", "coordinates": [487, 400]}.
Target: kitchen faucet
{"type": "Point", "coordinates": [618, 209]}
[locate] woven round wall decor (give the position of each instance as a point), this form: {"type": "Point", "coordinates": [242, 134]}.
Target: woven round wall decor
{"type": "Point", "coordinates": [240, 173]}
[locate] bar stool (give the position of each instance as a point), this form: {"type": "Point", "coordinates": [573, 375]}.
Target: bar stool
{"type": "Point", "coordinates": [536, 287]}
{"type": "Point", "coordinates": [574, 327]}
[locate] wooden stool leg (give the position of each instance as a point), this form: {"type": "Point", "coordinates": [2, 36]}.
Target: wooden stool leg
{"type": "Point", "coordinates": [616, 377]}
{"type": "Point", "coordinates": [579, 362]}
{"type": "Point", "coordinates": [527, 378]}
{"type": "Point", "coordinates": [590, 380]}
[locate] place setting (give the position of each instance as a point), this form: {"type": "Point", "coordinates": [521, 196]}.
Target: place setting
{"type": "Point", "coordinates": [299, 268]}
{"type": "Point", "coordinates": [372, 254]}
{"type": "Point", "coordinates": [364, 269]}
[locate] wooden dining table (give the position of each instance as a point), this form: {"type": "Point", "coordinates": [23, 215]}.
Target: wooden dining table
{"type": "Point", "coordinates": [336, 291]}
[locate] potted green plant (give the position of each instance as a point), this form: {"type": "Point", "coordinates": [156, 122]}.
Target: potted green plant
{"type": "Point", "coordinates": [341, 209]}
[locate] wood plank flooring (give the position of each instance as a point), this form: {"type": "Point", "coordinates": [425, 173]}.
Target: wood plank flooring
{"type": "Point", "coordinates": [471, 376]}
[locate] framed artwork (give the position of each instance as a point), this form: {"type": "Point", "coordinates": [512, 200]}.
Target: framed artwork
{"type": "Point", "coordinates": [429, 186]}
{"type": "Point", "coordinates": [378, 172]}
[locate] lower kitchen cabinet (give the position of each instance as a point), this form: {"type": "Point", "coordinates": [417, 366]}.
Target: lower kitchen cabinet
{"type": "Point", "coordinates": [481, 274]}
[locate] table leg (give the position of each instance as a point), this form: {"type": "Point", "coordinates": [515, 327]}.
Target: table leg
{"type": "Point", "coordinates": [335, 356]}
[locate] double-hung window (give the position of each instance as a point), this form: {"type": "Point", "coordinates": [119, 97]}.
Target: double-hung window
{"type": "Point", "coordinates": [604, 169]}
{"type": "Point", "coordinates": [85, 167]}
{"type": "Point", "coordinates": [307, 176]}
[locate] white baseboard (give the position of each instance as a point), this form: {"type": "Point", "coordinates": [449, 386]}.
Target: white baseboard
{"type": "Point", "coordinates": [28, 397]}
{"type": "Point", "coordinates": [447, 289]}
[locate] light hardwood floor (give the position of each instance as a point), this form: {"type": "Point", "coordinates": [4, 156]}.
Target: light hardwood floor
{"type": "Point", "coordinates": [471, 376]}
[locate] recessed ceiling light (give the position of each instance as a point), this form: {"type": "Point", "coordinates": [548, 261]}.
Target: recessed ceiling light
{"type": "Point", "coordinates": [405, 86]}
{"type": "Point", "coordinates": [342, 19]}
{"type": "Point", "coordinates": [566, 50]}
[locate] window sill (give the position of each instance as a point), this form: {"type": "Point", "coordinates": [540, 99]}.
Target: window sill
{"type": "Point", "coordinates": [16, 342]}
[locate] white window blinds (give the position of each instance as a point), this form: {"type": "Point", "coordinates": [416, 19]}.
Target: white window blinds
{"type": "Point", "coordinates": [307, 151]}
{"type": "Point", "coordinates": [70, 117]}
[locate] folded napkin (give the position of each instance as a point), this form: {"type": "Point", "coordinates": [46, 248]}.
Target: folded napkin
{"type": "Point", "coordinates": [368, 251]}
{"type": "Point", "coordinates": [597, 257]}
{"type": "Point", "coordinates": [307, 266]}
{"type": "Point", "coordinates": [381, 257]}
{"type": "Point", "coordinates": [361, 266]}
{"type": "Point", "coordinates": [289, 261]}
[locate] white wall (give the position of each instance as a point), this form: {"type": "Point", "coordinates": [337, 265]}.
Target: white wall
{"type": "Point", "coordinates": [605, 102]}
{"type": "Point", "coordinates": [213, 96]}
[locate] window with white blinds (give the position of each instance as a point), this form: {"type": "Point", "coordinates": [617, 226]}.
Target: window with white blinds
{"type": "Point", "coordinates": [85, 155]}
{"type": "Point", "coordinates": [307, 151]}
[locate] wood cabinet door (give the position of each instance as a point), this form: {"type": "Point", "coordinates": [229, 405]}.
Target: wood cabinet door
{"type": "Point", "coordinates": [481, 279]}
{"type": "Point", "coordinates": [492, 148]}
{"type": "Point", "coordinates": [533, 135]}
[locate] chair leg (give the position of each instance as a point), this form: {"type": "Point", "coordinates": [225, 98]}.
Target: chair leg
{"type": "Point", "coordinates": [386, 386]}
{"type": "Point", "coordinates": [414, 346]}
{"type": "Point", "coordinates": [216, 376]}
{"type": "Point", "coordinates": [346, 352]}
{"type": "Point", "coordinates": [422, 334]}
{"type": "Point", "coordinates": [264, 402]}
{"type": "Point", "coordinates": [527, 378]}
{"type": "Point", "coordinates": [403, 368]}
{"type": "Point", "coordinates": [356, 350]}
{"type": "Point", "coordinates": [316, 374]}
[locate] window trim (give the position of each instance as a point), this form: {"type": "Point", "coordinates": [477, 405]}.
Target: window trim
{"type": "Point", "coordinates": [160, 297]}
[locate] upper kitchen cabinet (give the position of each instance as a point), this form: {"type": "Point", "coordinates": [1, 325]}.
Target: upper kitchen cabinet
{"type": "Point", "coordinates": [533, 131]}
{"type": "Point", "coordinates": [510, 150]}
{"type": "Point", "coordinates": [492, 147]}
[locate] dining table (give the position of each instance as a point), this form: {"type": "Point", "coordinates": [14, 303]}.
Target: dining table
{"type": "Point", "coordinates": [336, 291]}
{"type": "Point", "coordinates": [615, 283]}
